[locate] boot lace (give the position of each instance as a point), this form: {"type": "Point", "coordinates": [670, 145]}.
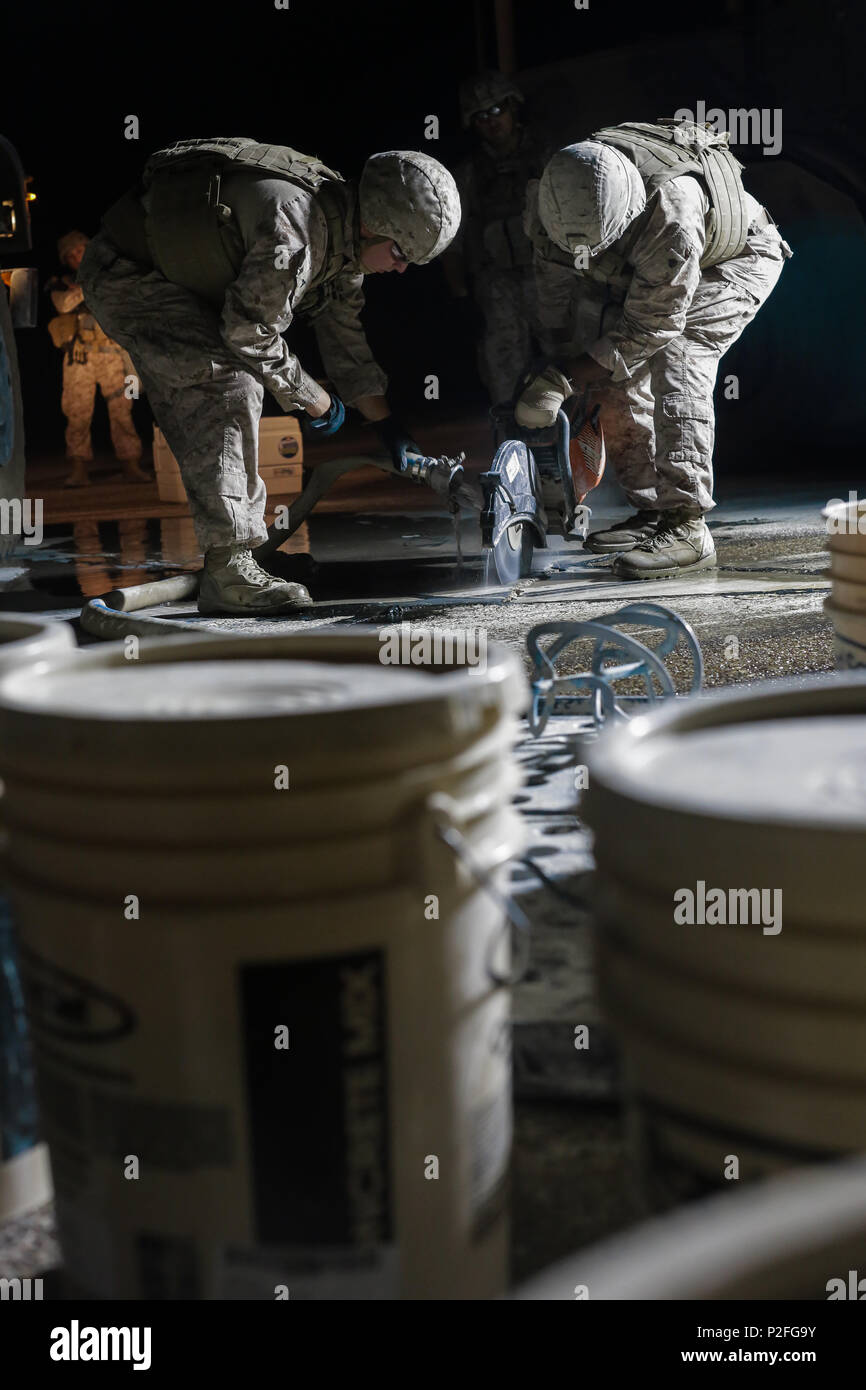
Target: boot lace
{"type": "Point", "coordinates": [674, 529]}
{"type": "Point", "coordinates": [247, 568]}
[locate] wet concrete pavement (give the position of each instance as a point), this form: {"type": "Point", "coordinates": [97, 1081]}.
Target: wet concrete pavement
{"type": "Point", "coordinates": [759, 614]}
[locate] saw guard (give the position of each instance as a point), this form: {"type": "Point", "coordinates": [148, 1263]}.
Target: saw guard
{"type": "Point", "coordinates": [569, 457]}
{"type": "Point", "coordinates": [513, 494]}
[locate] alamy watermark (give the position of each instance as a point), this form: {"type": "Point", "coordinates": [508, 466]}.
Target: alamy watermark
{"type": "Point", "coordinates": [77, 1343]}
{"type": "Point", "coordinates": [702, 906]}
{"type": "Point", "coordinates": [845, 518]}
{"type": "Point", "coordinates": [851, 1288]}
{"type": "Point", "coordinates": [20, 1290]}
{"type": "Point", "coordinates": [405, 646]}
{"type": "Point", "coordinates": [22, 516]}
{"type": "Point", "coordinates": [753, 126]}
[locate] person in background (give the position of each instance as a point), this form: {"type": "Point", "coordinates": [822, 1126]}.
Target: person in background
{"type": "Point", "coordinates": [490, 260]}
{"type": "Point", "coordinates": [90, 360]}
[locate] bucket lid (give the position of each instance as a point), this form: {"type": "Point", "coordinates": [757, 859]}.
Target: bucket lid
{"type": "Point", "coordinates": [25, 638]}
{"type": "Point", "coordinates": [218, 711]}
{"type": "Point", "coordinates": [208, 690]}
{"type": "Point", "coordinates": [787, 753]}
{"type": "Point", "coordinates": [775, 1240]}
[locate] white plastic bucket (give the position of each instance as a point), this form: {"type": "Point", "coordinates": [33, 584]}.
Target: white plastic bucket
{"type": "Point", "coordinates": [25, 1175]}
{"type": "Point", "coordinates": [750, 1032]}
{"type": "Point", "coordinates": [810, 967]}
{"type": "Point", "coordinates": [849, 635]}
{"type": "Point", "coordinates": [799, 1236]}
{"type": "Point", "coordinates": [368, 1157]}
{"type": "Point", "coordinates": [26, 638]}
{"type": "Point", "coordinates": [851, 568]}
{"type": "Point", "coordinates": [799, 1117]}
{"type": "Point", "coordinates": [849, 595]}
{"type": "Point", "coordinates": [771, 1036]}
{"type": "Point", "coordinates": [742, 788]}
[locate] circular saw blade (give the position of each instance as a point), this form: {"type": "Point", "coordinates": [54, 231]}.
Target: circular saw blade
{"type": "Point", "coordinates": [511, 557]}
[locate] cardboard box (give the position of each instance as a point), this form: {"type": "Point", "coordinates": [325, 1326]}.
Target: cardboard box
{"type": "Point", "coordinates": [281, 454]}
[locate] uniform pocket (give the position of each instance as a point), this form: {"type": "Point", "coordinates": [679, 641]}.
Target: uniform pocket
{"type": "Point", "coordinates": [235, 463]}
{"type": "Point", "coordinates": [689, 422]}
{"type": "Point", "coordinates": [756, 270]}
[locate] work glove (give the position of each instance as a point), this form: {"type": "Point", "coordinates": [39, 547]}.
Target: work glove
{"type": "Point", "coordinates": [540, 401]}
{"type": "Point", "coordinates": [398, 442]}
{"type": "Point", "coordinates": [331, 421]}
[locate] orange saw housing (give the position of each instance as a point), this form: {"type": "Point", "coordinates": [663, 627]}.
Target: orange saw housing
{"type": "Point", "coordinates": [586, 453]}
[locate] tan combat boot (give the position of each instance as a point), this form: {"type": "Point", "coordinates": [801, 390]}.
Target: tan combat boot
{"type": "Point", "coordinates": [681, 543]}
{"type": "Point", "coordinates": [232, 582]}
{"type": "Point", "coordinates": [625, 535]}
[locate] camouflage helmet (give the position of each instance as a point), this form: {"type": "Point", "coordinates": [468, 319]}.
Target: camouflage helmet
{"type": "Point", "coordinates": [486, 89]}
{"type": "Point", "coordinates": [588, 195]}
{"type": "Point", "coordinates": [68, 242]}
{"type": "Point", "coordinates": [411, 198]}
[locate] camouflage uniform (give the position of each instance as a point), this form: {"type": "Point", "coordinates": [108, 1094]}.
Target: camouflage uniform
{"type": "Point", "coordinates": [647, 311]}
{"type": "Point", "coordinates": [205, 369]}
{"type": "Point", "coordinates": [498, 256]}
{"type": "Point", "coordinates": [91, 359]}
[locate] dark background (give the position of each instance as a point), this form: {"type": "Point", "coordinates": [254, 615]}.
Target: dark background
{"type": "Point", "coordinates": [343, 80]}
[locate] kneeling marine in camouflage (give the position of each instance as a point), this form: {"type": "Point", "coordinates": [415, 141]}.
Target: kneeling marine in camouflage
{"type": "Point", "coordinates": [201, 269]}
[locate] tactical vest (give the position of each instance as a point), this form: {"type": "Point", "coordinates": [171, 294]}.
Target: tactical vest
{"type": "Point", "coordinates": [189, 234]}
{"type": "Point", "coordinates": [668, 149]}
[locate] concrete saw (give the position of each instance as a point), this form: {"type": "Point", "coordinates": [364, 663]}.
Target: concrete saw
{"type": "Point", "coordinates": [537, 485]}
{"type": "Point", "coordinates": [513, 520]}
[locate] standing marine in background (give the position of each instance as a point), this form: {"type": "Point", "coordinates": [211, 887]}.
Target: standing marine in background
{"type": "Point", "coordinates": [491, 257]}
{"type": "Point", "coordinates": [90, 359]}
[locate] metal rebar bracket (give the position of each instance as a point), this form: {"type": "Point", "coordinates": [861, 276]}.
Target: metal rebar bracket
{"type": "Point", "coordinates": [616, 656]}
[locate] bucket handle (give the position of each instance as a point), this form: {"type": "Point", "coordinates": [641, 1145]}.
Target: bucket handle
{"type": "Point", "coordinates": [443, 813]}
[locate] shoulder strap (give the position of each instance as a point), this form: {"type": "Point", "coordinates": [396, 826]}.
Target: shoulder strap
{"type": "Point", "coordinates": [331, 198]}
{"type": "Point", "coordinates": [280, 160]}
{"type": "Point", "coordinates": [657, 157]}
{"type": "Point", "coordinates": [188, 226]}
{"type": "Point", "coordinates": [669, 149]}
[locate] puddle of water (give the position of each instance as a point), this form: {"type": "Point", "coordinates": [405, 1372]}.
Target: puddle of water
{"type": "Point", "coordinates": [96, 556]}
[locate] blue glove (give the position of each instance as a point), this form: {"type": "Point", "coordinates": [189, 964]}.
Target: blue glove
{"type": "Point", "coordinates": [331, 421]}
{"type": "Point", "coordinates": [397, 441]}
